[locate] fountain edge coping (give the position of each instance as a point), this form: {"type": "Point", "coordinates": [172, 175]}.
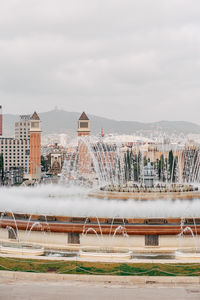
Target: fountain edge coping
{"type": "Point", "coordinates": [144, 196]}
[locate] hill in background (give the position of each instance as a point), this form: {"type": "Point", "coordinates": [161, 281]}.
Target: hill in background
{"type": "Point", "coordinates": [60, 121]}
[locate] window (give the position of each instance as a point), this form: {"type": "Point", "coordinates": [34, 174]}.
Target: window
{"type": "Point", "coordinates": [83, 124]}
{"type": "Point", "coordinates": [73, 238]}
{"type": "Point", "coordinates": [152, 240]}
{"type": "Point", "coordinates": [34, 125]}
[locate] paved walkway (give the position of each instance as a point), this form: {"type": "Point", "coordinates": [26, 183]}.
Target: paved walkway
{"type": "Point", "coordinates": [27, 286]}
{"type": "Point", "coordinates": [25, 290]}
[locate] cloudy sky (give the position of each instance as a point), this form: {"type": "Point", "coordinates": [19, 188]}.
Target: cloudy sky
{"type": "Point", "coordinates": [122, 59]}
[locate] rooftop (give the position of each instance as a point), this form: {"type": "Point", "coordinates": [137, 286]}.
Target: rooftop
{"type": "Point", "coordinates": [35, 116]}
{"type": "Point", "coordinates": [25, 117]}
{"type": "Point", "coordinates": [83, 117]}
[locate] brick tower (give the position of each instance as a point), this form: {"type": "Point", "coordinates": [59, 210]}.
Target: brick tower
{"type": "Point", "coordinates": [84, 159]}
{"type": "Point", "coordinates": [35, 147]}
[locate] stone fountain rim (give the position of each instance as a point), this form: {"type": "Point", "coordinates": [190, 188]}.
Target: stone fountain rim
{"type": "Point", "coordinates": [101, 249]}
{"type": "Point", "coordinates": [144, 195]}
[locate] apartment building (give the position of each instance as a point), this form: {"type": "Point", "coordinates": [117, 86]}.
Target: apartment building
{"type": "Point", "coordinates": [22, 128]}
{"type": "Point", "coordinates": [19, 152]}
{"type": "Point", "coordinates": [15, 153]}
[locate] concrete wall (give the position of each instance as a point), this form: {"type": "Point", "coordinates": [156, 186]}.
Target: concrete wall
{"type": "Point", "coordinates": [175, 241]}
{"type": "Point", "coordinates": [38, 237]}
{"type": "Point", "coordinates": [91, 240]}
{"type": "Point", "coordinates": [109, 241]}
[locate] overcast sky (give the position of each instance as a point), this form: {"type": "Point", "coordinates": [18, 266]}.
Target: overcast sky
{"type": "Point", "coordinates": [127, 60]}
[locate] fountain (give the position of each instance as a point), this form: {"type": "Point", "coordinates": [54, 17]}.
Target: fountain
{"type": "Point", "coordinates": [86, 211]}
{"type": "Point", "coordinates": [106, 249]}
{"type": "Point", "coordinates": [20, 248]}
{"type": "Point", "coordinates": [163, 171]}
{"type": "Point", "coordinates": [97, 228]}
{"type": "Point", "coordinates": [188, 252]}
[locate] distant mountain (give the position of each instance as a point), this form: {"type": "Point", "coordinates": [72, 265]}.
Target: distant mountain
{"type": "Point", "coordinates": [60, 121]}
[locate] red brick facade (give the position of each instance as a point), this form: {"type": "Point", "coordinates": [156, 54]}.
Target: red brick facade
{"type": "Point", "coordinates": [35, 147]}
{"type": "Point", "coordinates": [35, 153]}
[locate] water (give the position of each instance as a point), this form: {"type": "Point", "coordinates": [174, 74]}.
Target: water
{"type": "Point", "coordinates": [57, 253]}
{"type": "Point", "coordinates": [74, 201]}
{"type": "Point", "coordinates": [115, 163]}
{"type": "Point", "coordinates": [151, 256]}
{"type": "Point", "coordinates": [112, 164]}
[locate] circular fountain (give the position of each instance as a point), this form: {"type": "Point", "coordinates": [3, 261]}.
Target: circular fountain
{"type": "Point", "coordinates": [71, 216]}
{"type": "Point", "coordinates": [66, 219]}
{"type": "Point", "coordinates": [140, 192]}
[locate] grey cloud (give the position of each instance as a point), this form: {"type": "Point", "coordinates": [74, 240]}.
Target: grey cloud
{"type": "Point", "coordinates": [139, 59]}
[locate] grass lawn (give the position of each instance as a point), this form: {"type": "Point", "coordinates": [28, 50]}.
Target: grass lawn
{"type": "Point", "coordinates": [99, 268]}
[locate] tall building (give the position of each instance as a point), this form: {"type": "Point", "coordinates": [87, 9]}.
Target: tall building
{"type": "Point", "coordinates": [22, 128]}
{"type": "Point", "coordinates": [83, 125]}
{"type": "Point", "coordinates": [1, 121]}
{"type": "Point", "coordinates": [23, 151]}
{"type": "Point", "coordinates": [84, 159]}
{"type": "Point", "coordinates": [15, 154]}
{"type": "Point", "coordinates": [35, 147]}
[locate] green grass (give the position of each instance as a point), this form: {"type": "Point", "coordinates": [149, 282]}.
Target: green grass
{"type": "Point", "coordinates": [99, 268]}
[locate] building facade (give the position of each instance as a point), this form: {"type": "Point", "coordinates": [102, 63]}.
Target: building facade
{"type": "Point", "coordinates": [1, 121]}
{"type": "Point", "coordinates": [15, 153]}
{"type": "Point", "coordinates": [56, 163]}
{"type": "Point", "coordinates": [23, 151]}
{"type": "Point", "coordinates": [35, 147]}
{"type": "Point", "coordinates": [22, 128]}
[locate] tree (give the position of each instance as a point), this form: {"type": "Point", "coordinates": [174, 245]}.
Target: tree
{"type": "Point", "coordinates": [145, 161]}
{"type": "Point", "coordinates": [45, 163]}
{"type": "Point", "coordinates": [161, 168]}
{"type": "Point", "coordinates": [172, 166]}
{"type": "Point", "coordinates": [1, 167]}
{"type": "Point", "coordinates": [136, 166]}
{"type": "Point", "coordinates": [129, 165]}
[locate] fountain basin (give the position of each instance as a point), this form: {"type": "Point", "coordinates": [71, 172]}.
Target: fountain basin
{"type": "Point", "coordinates": [187, 254]}
{"type": "Point", "coordinates": [145, 195]}
{"type": "Point", "coordinates": [21, 249]}
{"type": "Point", "coordinates": [105, 253]}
